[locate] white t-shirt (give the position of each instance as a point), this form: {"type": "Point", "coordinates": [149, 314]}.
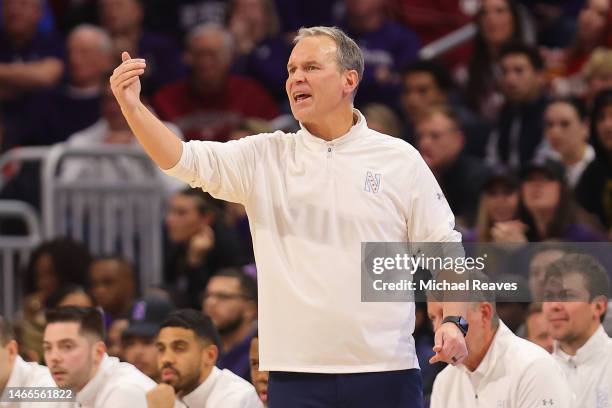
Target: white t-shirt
{"type": "Point", "coordinates": [115, 385]}
{"type": "Point", "coordinates": [221, 389]}
{"type": "Point", "coordinates": [514, 373]}
{"type": "Point", "coordinates": [589, 372]}
{"type": "Point", "coordinates": [31, 375]}
{"type": "Point", "coordinates": [311, 203]}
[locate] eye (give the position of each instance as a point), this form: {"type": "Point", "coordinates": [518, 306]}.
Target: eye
{"type": "Point", "coordinates": [311, 68]}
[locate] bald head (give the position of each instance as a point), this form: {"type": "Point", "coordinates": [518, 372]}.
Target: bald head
{"type": "Point", "coordinates": [89, 55]}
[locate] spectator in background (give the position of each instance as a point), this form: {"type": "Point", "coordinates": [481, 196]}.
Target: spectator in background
{"type": "Point", "coordinates": [386, 45]}
{"type": "Point", "coordinates": [114, 287]}
{"type": "Point", "coordinates": [537, 327]}
{"type": "Point", "coordinates": [69, 295]}
{"type": "Point", "coordinates": [210, 103]}
{"type": "Point", "coordinates": [518, 136]}
{"type": "Point", "coordinates": [597, 74]}
{"type": "Point", "coordinates": [112, 130]}
{"type": "Point", "coordinates": [199, 244]}
{"type": "Point", "coordinates": [548, 208]}
{"type": "Point", "coordinates": [498, 208]}
{"type": "Point", "coordinates": [498, 22]}
{"type": "Point", "coordinates": [594, 192]}
{"type": "Point", "coordinates": [123, 19]}
{"type": "Point", "coordinates": [113, 338]}
{"type": "Point", "coordinates": [16, 373]}
{"type": "Point", "coordinates": [230, 299]}
{"type": "Point", "coordinates": [592, 31]}
{"type": "Point", "coordinates": [260, 379]}
{"type": "Point", "coordinates": [75, 105]}
{"type": "Point", "coordinates": [29, 61]}
{"type": "Point", "coordinates": [566, 130]}
{"type": "Point", "coordinates": [138, 339]}
{"type": "Point", "coordinates": [440, 141]}
{"type": "Point", "coordinates": [577, 289]}
{"type": "Point", "coordinates": [382, 119]}
{"type": "Point", "coordinates": [76, 356]}
{"type": "Point", "coordinates": [427, 83]}
{"type": "Point", "coordinates": [261, 52]}
{"type": "Point", "coordinates": [190, 376]}
{"type": "Point", "coordinates": [501, 368]}
{"type": "Point", "coordinates": [544, 255]}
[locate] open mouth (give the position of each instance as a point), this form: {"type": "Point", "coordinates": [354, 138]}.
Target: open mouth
{"type": "Point", "coordinates": [301, 96]}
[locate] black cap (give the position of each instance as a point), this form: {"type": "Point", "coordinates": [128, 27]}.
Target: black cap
{"type": "Point", "coordinates": [146, 316]}
{"type": "Point", "coordinates": [503, 175]}
{"type": "Point", "coordinates": [551, 168]}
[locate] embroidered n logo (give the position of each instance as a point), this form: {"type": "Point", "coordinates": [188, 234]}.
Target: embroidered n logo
{"type": "Point", "coordinates": [372, 182]}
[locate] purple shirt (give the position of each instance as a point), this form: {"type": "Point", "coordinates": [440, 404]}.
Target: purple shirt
{"type": "Point", "coordinates": [237, 359]}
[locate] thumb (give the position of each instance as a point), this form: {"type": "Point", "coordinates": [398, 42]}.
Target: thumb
{"type": "Point", "coordinates": [125, 56]}
{"type": "Point", "coordinates": [438, 341]}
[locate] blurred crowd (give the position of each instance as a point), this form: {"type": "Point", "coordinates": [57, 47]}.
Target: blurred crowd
{"type": "Point", "coordinates": [515, 124]}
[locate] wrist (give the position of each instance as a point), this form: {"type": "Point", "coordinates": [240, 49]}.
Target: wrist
{"type": "Point", "coordinates": [459, 321]}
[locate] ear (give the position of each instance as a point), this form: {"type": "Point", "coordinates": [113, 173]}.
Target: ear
{"type": "Point", "coordinates": [13, 350]}
{"type": "Point", "coordinates": [210, 354]}
{"type": "Point", "coordinates": [99, 351]}
{"type": "Point", "coordinates": [600, 304]}
{"type": "Point", "coordinates": [250, 311]}
{"type": "Point", "coordinates": [351, 80]}
{"type": "Point", "coordinates": [486, 313]}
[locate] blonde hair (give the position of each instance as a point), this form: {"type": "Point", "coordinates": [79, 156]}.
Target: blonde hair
{"type": "Point", "coordinates": [600, 63]}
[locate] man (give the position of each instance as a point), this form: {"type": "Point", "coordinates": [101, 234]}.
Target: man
{"type": "Point", "coordinates": [188, 346]}
{"type": "Point", "coordinates": [518, 136]}
{"type": "Point", "coordinates": [259, 378]}
{"type": "Point", "coordinates": [138, 339]}
{"type": "Point", "coordinates": [198, 245]}
{"type": "Point", "coordinates": [425, 84]}
{"type": "Point", "coordinates": [544, 255]}
{"type": "Point", "coordinates": [211, 102]}
{"type": "Point", "coordinates": [76, 356]}
{"type": "Point", "coordinates": [501, 370]}
{"type": "Point", "coordinates": [536, 328]}
{"type": "Point", "coordinates": [577, 289]}
{"type": "Point", "coordinates": [313, 197]}
{"type": "Point", "coordinates": [230, 300]}
{"type": "Point", "coordinates": [74, 105]}
{"type": "Point", "coordinates": [441, 142]}
{"type": "Point", "coordinates": [113, 286]}
{"type": "Point", "coordinates": [16, 373]}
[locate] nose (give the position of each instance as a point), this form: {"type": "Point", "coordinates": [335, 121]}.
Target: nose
{"type": "Point", "coordinates": [52, 356]}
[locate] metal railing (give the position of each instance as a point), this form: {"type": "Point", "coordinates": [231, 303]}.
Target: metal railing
{"type": "Point", "coordinates": [15, 251]}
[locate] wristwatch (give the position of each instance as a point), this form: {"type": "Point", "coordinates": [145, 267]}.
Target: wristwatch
{"type": "Point", "coordinates": [461, 323]}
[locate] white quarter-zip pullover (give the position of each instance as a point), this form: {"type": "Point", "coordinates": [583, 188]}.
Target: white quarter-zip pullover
{"type": "Point", "coordinates": [311, 203]}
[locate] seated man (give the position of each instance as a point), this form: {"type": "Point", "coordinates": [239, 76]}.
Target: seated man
{"type": "Point", "coordinates": [536, 328]}
{"type": "Point", "coordinates": [577, 289]}
{"type": "Point", "coordinates": [230, 299]}
{"type": "Point", "coordinates": [260, 379]}
{"type": "Point", "coordinates": [138, 339]}
{"type": "Point", "coordinates": [76, 356]}
{"type": "Point", "coordinates": [501, 369]}
{"type": "Point", "coordinates": [188, 346]}
{"type": "Point", "coordinates": [16, 373]}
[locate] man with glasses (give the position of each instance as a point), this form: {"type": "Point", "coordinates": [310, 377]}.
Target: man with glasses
{"type": "Point", "coordinates": [230, 299]}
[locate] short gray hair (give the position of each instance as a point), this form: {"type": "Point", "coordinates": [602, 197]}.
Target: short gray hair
{"type": "Point", "coordinates": [348, 54]}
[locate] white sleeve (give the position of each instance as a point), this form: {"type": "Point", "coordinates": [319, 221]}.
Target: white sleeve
{"type": "Point", "coordinates": [225, 170]}
{"type": "Point", "coordinates": [429, 217]}
{"type": "Point", "coordinates": [543, 384]}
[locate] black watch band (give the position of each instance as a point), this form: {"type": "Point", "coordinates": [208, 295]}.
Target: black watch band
{"type": "Point", "coordinates": [459, 321]}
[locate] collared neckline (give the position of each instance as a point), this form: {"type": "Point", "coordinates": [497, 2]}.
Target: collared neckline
{"type": "Point", "coordinates": [589, 350]}
{"type": "Point", "coordinates": [87, 396]}
{"type": "Point", "coordinates": [199, 396]}
{"type": "Point", "coordinates": [491, 357]}
{"type": "Point", "coordinates": [316, 143]}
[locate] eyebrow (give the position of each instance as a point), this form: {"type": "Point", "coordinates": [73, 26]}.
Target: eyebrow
{"type": "Point", "coordinates": [309, 62]}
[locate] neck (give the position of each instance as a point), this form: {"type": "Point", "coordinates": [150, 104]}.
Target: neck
{"type": "Point", "coordinates": [475, 357]}
{"type": "Point", "coordinates": [92, 374]}
{"type": "Point", "coordinates": [574, 156]}
{"type": "Point", "coordinates": [572, 345]}
{"type": "Point", "coordinates": [203, 376]}
{"type": "Point", "coordinates": [333, 126]}
{"type": "Point", "coordinates": [87, 85]}
{"type": "Point", "coordinates": [542, 219]}
{"type": "Point", "coordinates": [230, 340]}
{"type": "Point", "coordinates": [204, 88]}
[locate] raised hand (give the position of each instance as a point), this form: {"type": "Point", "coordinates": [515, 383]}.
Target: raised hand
{"type": "Point", "coordinates": [125, 81]}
